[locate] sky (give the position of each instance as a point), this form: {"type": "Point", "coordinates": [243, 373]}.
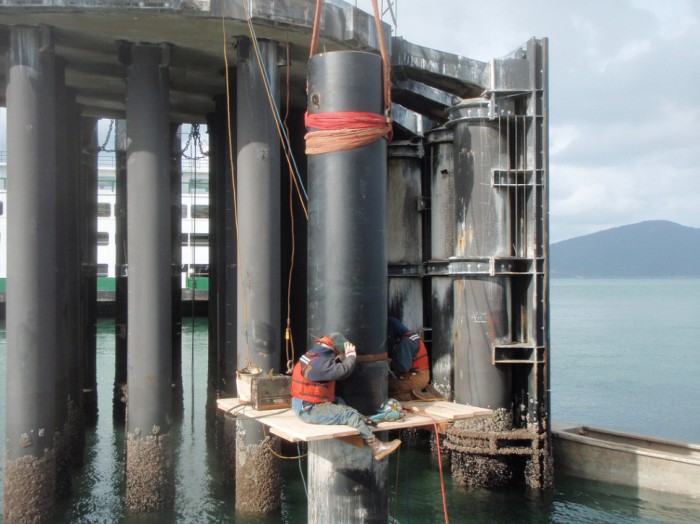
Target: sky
{"type": "Point", "coordinates": [624, 97]}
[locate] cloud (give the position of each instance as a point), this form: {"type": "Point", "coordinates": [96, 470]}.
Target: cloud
{"type": "Point", "coordinates": [623, 99]}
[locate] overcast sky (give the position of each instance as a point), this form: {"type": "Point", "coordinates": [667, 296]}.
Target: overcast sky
{"type": "Point", "coordinates": [624, 99]}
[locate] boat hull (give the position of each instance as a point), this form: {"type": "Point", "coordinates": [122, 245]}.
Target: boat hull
{"type": "Point", "coordinates": [628, 459]}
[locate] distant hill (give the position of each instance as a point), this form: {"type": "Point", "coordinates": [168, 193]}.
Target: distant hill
{"type": "Point", "coordinates": [652, 249]}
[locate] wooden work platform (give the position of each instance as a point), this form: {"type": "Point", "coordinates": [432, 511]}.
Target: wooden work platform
{"type": "Point", "coordinates": [285, 424]}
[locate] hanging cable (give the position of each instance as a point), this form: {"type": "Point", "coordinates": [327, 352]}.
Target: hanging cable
{"type": "Point", "coordinates": [301, 472]}
{"type": "Point", "coordinates": [233, 183]}
{"type": "Point", "coordinates": [288, 338]}
{"type": "Point", "coordinates": [284, 139]}
{"type": "Point", "coordinates": [439, 458]}
{"type": "Point", "coordinates": [193, 254]}
{"type": "Point", "coordinates": [331, 132]}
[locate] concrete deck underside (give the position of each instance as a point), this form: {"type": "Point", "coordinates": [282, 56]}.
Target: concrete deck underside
{"type": "Point", "coordinates": [88, 37]}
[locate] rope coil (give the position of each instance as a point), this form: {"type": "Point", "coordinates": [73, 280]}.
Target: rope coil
{"type": "Point", "coordinates": [339, 131]}
{"type": "Point", "coordinates": [332, 132]}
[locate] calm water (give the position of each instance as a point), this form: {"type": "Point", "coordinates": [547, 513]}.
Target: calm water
{"type": "Point", "coordinates": [624, 356]}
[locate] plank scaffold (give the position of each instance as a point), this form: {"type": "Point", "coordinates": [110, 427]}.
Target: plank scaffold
{"type": "Point", "coordinates": [285, 424]}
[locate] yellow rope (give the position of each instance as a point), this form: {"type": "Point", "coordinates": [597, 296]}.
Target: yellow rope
{"type": "Point", "coordinates": [271, 101]}
{"type": "Point", "coordinates": [235, 199]}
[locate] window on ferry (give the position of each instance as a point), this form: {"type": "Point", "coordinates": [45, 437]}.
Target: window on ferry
{"type": "Point", "coordinates": [195, 239]}
{"type": "Point", "coordinates": [104, 209]}
{"type": "Point", "coordinates": [102, 270]}
{"type": "Point", "coordinates": [2, 207]}
{"type": "Point", "coordinates": [199, 269]}
{"type": "Point", "coordinates": [183, 212]}
{"type": "Point", "coordinates": [200, 211]}
{"type": "Point", "coordinates": [102, 238]}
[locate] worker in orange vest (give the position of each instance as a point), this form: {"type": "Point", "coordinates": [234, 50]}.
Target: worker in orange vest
{"type": "Point", "coordinates": [332, 358]}
{"type": "Point", "coordinates": [409, 366]}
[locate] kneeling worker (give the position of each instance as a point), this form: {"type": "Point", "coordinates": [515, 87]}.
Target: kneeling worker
{"type": "Point", "coordinates": [409, 361]}
{"type": "Point", "coordinates": [313, 390]}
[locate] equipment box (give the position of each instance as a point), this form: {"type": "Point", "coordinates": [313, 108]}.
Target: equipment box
{"type": "Point", "coordinates": [271, 392]}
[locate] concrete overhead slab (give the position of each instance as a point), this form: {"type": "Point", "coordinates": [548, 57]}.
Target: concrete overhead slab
{"type": "Point", "coordinates": [88, 34]}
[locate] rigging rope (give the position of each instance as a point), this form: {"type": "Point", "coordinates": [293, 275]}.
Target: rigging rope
{"type": "Point", "coordinates": [283, 132]}
{"type": "Point", "coordinates": [233, 183]}
{"type": "Point", "coordinates": [331, 132]}
{"type": "Point", "coordinates": [284, 138]}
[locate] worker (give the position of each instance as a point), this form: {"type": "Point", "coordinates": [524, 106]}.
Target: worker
{"type": "Point", "coordinates": [409, 366]}
{"type": "Point", "coordinates": [332, 358]}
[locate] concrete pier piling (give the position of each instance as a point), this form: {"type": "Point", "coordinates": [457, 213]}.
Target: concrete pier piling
{"type": "Point", "coordinates": [121, 276]}
{"type": "Point", "coordinates": [30, 469]}
{"type": "Point", "coordinates": [149, 454]}
{"type": "Point", "coordinates": [259, 265]}
{"type": "Point", "coordinates": [446, 229]}
{"type": "Point", "coordinates": [347, 286]}
{"type": "Point", "coordinates": [88, 262]}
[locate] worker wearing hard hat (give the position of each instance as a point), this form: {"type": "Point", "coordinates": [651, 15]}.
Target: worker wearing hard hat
{"type": "Point", "coordinates": [410, 368]}
{"type": "Point", "coordinates": [332, 358]}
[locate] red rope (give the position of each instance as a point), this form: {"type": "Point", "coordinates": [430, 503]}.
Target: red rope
{"type": "Point", "coordinates": [331, 132]}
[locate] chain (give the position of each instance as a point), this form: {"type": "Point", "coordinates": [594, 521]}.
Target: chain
{"type": "Point", "coordinates": [103, 147]}
{"type": "Point", "coordinates": [194, 135]}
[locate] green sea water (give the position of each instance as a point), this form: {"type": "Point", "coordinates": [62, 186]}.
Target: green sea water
{"type": "Point", "coordinates": [623, 356]}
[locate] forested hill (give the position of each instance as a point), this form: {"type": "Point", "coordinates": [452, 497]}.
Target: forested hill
{"type": "Point", "coordinates": [653, 249]}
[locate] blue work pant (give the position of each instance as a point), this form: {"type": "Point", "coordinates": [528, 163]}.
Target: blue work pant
{"type": "Point", "coordinates": [330, 413]}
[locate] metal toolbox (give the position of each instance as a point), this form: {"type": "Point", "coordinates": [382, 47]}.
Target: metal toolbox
{"type": "Point", "coordinates": [271, 392]}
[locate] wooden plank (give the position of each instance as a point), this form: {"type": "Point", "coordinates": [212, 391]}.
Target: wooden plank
{"type": "Point", "coordinates": [285, 424]}
{"type": "Point", "coordinates": [447, 410]}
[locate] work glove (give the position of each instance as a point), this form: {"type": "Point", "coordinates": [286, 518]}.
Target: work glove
{"type": "Point", "coordinates": [350, 350]}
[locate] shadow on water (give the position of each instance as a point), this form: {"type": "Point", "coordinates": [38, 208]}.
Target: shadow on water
{"type": "Point", "coordinates": [415, 496]}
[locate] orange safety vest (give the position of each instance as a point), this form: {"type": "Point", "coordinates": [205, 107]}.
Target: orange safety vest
{"type": "Point", "coordinates": [420, 361]}
{"type": "Point", "coordinates": [305, 389]}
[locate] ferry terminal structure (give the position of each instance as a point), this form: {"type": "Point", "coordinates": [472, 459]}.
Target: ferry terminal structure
{"type": "Point", "coordinates": [445, 227]}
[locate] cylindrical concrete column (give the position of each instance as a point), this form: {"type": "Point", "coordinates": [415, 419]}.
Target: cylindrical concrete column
{"type": "Point", "coordinates": [88, 262]}
{"type": "Point", "coordinates": [76, 419]}
{"type": "Point", "coordinates": [440, 164]}
{"type": "Point", "coordinates": [222, 280]}
{"type": "Point", "coordinates": [482, 232]}
{"type": "Point", "coordinates": [31, 280]}
{"type": "Point", "coordinates": [347, 217]}
{"type": "Point", "coordinates": [176, 268]}
{"type": "Point", "coordinates": [121, 277]}
{"type": "Point", "coordinates": [149, 460]}
{"type": "Point", "coordinates": [347, 268]}
{"type": "Point", "coordinates": [66, 280]}
{"type": "Point", "coordinates": [259, 292]}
